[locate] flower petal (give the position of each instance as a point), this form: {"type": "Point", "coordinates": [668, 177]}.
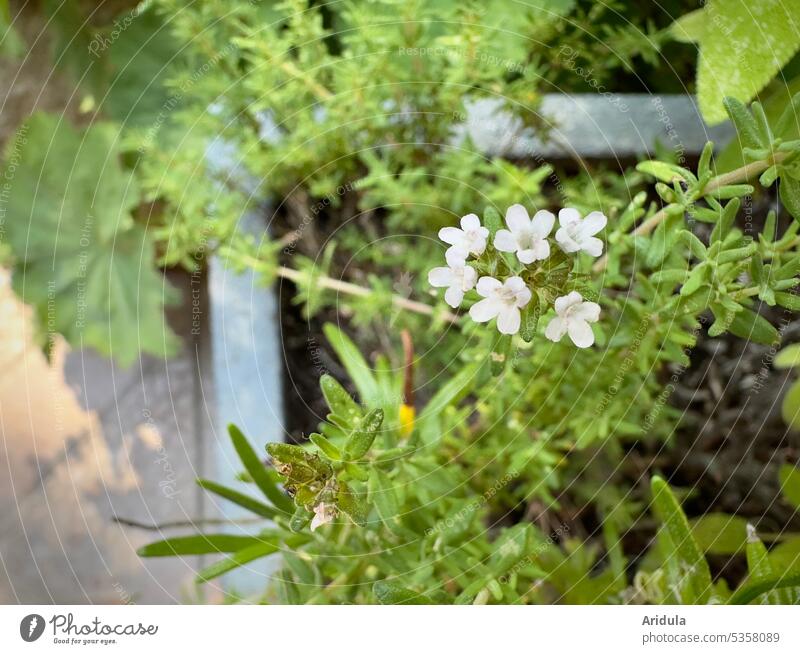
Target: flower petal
{"type": "Point", "coordinates": [556, 329]}
{"type": "Point", "coordinates": [568, 217]}
{"type": "Point", "coordinates": [505, 241]}
{"type": "Point", "coordinates": [588, 311]}
{"type": "Point", "coordinates": [542, 223]}
{"type": "Point", "coordinates": [566, 301]}
{"type": "Point", "coordinates": [540, 249]}
{"type": "Point", "coordinates": [592, 246]}
{"type": "Point", "coordinates": [517, 218]}
{"type": "Point", "coordinates": [469, 278]}
{"type": "Point", "coordinates": [453, 296]}
{"type": "Point", "coordinates": [485, 310]}
{"type": "Point", "coordinates": [593, 223]}
{"type": "Point", "coordinates": [456, 255]}
{"type": "Point", "coordinates": [470, 221]}
{"type": "Point", "coordinates": [515, 284]}
{"type": "Point", "coordinates": [566, 242]}
{"type": "Point", "coordinates": [523, 297]}
{"type": "Point", "coordinates": [451, 235]}
{"type": "Point", "coordinates": [488, 286]}
{"type": "Point", "coordinates": [508, 320]}
{"type": "Point", "coordinates": [580, 332]}
{"type": "Point", "coordinates": [440, 277]}
{"type": "Point", "coordinates": [526, 256]}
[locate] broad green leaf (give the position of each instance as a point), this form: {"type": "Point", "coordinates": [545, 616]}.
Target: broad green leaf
{"type": "Point", "coordinates": [199, 544]}
{"type": "Point", "coordinates": [258, 471]}
{"type": "Point", "coordinates": [742, 49]}
{"type": "Point", "coordinates": [138, 62]}
{"type": "Point", "coordinates": [355, 364]}
{"type": "Point", "coordinates": [237, 560]}
{"type": "Point", "coordinates": [245, 501]}
{"type": "Point", "coordinates": [668, 509]}
{"type": "Point", "coordinates": [789, 477]}
{"type": "Point", "coordinates": [80, 259]}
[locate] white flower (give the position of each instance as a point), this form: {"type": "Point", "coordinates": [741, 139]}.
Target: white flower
{"type": "Point", "coordinates": [573, 316]}
{"type": "Point", "coordinates": [503, 300]}
{"type": "Point", "coordinates": [577, 235]}
{"type": "Point", "coordinates": [457, 277]}
{"type": "Point", "coordinates": [470, 239]}
{"type": "Point", "coordinates": [323, 513]}
{"type": "Point", "coordinates": [528, 237]}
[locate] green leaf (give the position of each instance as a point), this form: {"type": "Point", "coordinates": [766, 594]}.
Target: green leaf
{"type": "Point", "coordinates": [759, 566]}
{"type": "Point", "coordinates": [753, 326]}
{"type": "Point", "coordinates": [788, 357]}
{"type": "Point", "coordinates": [449, 392]}
{"type": "Point", "coordinates": [492, 220]}
{"type": "Point", "coordinates": [788, 300]}
{"type": "Point", "coordinates": [751, 591]}
{"type": "Point", "coordinates": [355, 364]}
{"type": "Point", "coordinates": [80, 259]}
{"type": "Point", "coordinates": [690, 27]}
{"type": "Point", "coordinates": [326, 447]}
{"type": "Point", "coordinates": [139, 61]}
{"type": "Point", "coordinates": [382, 495]}
{"type": "Point", "coordinates": [245, 501]}
{"type": "Point", "coordinates": [789, 190]}
{"type": "Point", "coordinates": [687, 550]}
{"type": "Point", "coordinates": [742, 50]}
{"type": "Point", "coordinates": [339, 400]}
{"type": "Point", "coordinates": [719, 533]}
{"type": "Point", "coordinates": [258, 471]}
{"type": "Point", "coordinates": [743, 121]}
{"type": "Point", "coordinates": [790, 407]}
{"type": "Point", "coordinates": [353, 504]}
{"type": "Point", "coordinates": [789, 477]}
{"type": "Point", "coordinates": [240, 558]}
{"type": "Point", "coordinates": [361, 439]}
{"type": "Point", "coordinates": [199, 544]}
{"type": "Point", "coordinates": [662, 171]}
{"type": "Point", "coordinates": [389, 593]}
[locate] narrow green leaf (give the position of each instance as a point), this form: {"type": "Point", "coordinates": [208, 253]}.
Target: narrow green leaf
{"type": "Point", "coordinates": [326, 447]}
{"type": "Point", "coordinates": [199, 544]}
{"type": "Point", "coordinates": [237, 560]}
{"type": "Point", "coordinates": [751, 591]}
{"type": "Point", "coordinates": [258, 471]}
{"type": "Point", "coordinates": [245, 501]}
{"type": "Point", "coordinates": [361, 439]}
{"type": "Point", "coordinates": [669, 511]}
{"type": "Point", "coordinates": [744, 123]}
{"type": "Point", "coordinates": [339, 399]}
{"type": "Point", "coordinates": [355, 364]}
{"type": "Point", "coordinates": [390, 593]}
{"type": "Point", "coordinates": [753, 326]}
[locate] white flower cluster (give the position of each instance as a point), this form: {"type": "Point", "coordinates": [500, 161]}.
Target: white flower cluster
{"type": "Point", "coordinates": [528, 238]}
